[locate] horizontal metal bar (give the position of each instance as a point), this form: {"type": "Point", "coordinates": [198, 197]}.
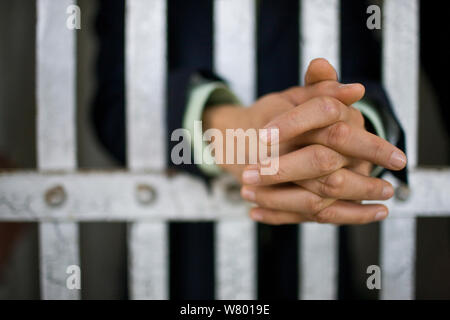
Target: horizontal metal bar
{"type": "Point", "coordinates": [124, 196]}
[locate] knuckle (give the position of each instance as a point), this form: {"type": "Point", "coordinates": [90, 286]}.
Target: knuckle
{"type": "Point", "coordinates": [333, 184]}
{"type": "Point", "coordinates": [335, 180]}
{"type": "Point", "coordinates": [270, 97]}
{"type": "Point", "coordinates": [316, 204]}
{"type": "Point", "coordinates": [338, 134]}
{"type": "Point", "coordinates": [327, 215]}
{"type": "Point", "coordinates": [324, 159]}
{"type": "Point", "coordinates": [293, 116]}
{"type": "Point", "coordinates": [329, 106]}
{"type": "Point", "coordinates": [291, 93]}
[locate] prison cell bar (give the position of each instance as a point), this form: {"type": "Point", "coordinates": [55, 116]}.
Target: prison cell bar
{"type": "Point", "coordinates": [400, 77]}
{"type": "Point", "coordinates": [146, 66]}
{"type": "Point", "coordinates": [320, 37]}
{"type": "Point", "coordinates": [235, 60]}
{"type": "Point", "coordinates": [56, 145]}
{"type": "Point", "coordinates": [94, 196]}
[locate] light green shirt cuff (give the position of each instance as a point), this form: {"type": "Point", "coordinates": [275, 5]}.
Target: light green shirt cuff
{"type": "Point", "coordinates": [371, 114]}
{"type": "Point", "coordinates": [201, 96]}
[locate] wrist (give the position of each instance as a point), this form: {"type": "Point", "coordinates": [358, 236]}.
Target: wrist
{"type": "Point", "coordinates": [223, 117]}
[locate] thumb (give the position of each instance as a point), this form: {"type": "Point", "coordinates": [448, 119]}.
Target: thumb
{"type": "Point", "coordinates": [320, 70]}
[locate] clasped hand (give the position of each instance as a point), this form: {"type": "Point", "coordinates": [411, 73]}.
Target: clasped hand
{"type": "Point", "coordinates": [325, 153]}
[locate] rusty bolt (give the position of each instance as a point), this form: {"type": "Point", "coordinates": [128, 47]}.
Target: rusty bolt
{"type": "Point", "coordinates": [402, 192]}
{"type": "Point", "coordinates": [56, 196]}
{"type": "Point", "coordinates": [145, 194]}
{"type": "Point", "coordinates": [233, 193]}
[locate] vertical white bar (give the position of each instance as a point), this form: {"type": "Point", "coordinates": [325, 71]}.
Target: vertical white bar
{"type": "Point", "coordinates": [400, 66]}
{"type": "Point", "coordinates": [234, 45]}
{"type": "Point", "coordinates": [58, 250]}
{"type": "Point", "coordinates": [320, 38]}
{"type": "Point", "coordinates": [146, 83]}
{"type": "Point", "coordinates": [235, 60]}
{"type": "Point", "coordinates": [55, 82]}
{"type": "Point", "coordinates": [235, 246]}
{"type": "Point", "coordinates": [319, 262]}
{"type": "Point", "coordinates": [398, 252]}
{"type": "Point", "coordinates": [146, 137]}
{"type": "Point", "coordinates": [55, 87]}
{"type": "Point", "coordinates": [149, 261]}
{"type": "Point", "coordinates": [400, 77]}
{"type": "Point", "coordinates": [319, 32]}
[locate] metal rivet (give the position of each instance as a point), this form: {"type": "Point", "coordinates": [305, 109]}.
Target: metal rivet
{"type": "Point", "coordinates": [233, 192]}
{"type": "Point", "coordinates": [56, 196]}
{"type": "Point", "coordinates": [402, 192]}
{"type": "Point", "coordinates": [145, 194]}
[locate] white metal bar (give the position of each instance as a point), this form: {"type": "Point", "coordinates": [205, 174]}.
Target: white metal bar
{"type": "Point", "coordinates": [146, 137]}
{"type": "Point", "coordinates": [234, 45]}
{"type": "Point", "coordinates": [235, 56]}
{"type": "Point", "coordinates": [400, 66]}
{"type": "Point", "coordinates": [145, 81]}
{"type": "Point", "coordinates": [111, 196]}
{"type": "Point", "coordinates": [56, 138]}
{"type": "Point", "coordinates": [149, 247]}
{"type": "Point", "coordinates": [236, 273]}
{"type": "Point", "coordinates": [55, 83]}
{"type": "Point", "coordinates": [319, 262]}
{"type": "Point", "coordinates": [58, 250]}
{"type": "Point", "coordinates": [398, 254]}
{"type": "Point", "coordinates": [320, 36]}
{"type": "Point", "coordinates": [319, 30]}
{"type": "Point", "coordinates": [400, 76]}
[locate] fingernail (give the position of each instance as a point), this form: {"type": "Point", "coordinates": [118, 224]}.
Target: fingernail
{"type": "Point", "coordinates": [257, 215]}
{"type": "Point", "coordinates": [344, 85]}
{"type": "Point", "coordinates": [398, 160]}
{"type": "Point", "coordinates": [388, 192]}
{"type": "Point", "coordinates": [269, 134]}
{"type": "Point", "coordinates": [250, 176]}
{"type": "Point", "coordinates": [380, 215]}
{"type": "Point", "coordinates": [248, 194]}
